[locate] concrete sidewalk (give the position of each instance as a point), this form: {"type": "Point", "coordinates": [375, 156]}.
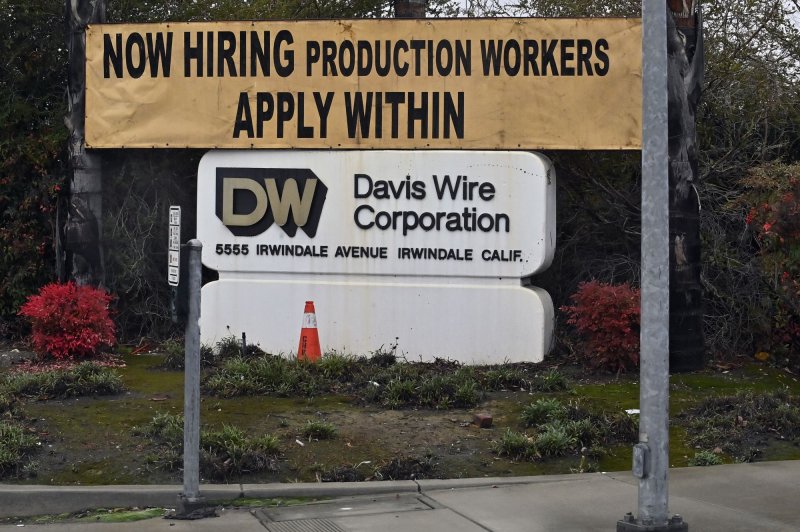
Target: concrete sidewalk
{"type": "Point", "coordinates": [744, 497]}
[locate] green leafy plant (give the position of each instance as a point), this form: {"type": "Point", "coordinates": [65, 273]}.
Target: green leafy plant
{"type": "Point", "coordinates": [705, 458]}
{"type": "Point", "coordinates": [542, 411]}
{"type": "Point", "coordinates": [515, 445]}
{"type": "Point", "coordinates": [225, 453]}
{"type": "Point", "coordinates": [319, 430]}
{"type": "Point", "coordinates": [16, 449]}
{"type": "Point", "coordinates": [84, 379]}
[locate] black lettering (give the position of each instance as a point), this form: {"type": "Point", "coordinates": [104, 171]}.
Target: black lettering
{"type": "Point", "coordinates": [394, 99]}
{"type": "Point", "coordinates": [210, 56]}
{"type": "Point", "coordinates": [454, 114]}
{"type": "Point", "coordinates": [159, 54]}
{"type": "Point", "coordinates": [358, 114]}
{"type": "Point", "coordinates": [227, 47]}
{"type": "Point", "coordinates": [258, 56]}
{"type": "Point", "coordinates": [400, 71]}
{"type": "Point", "coordinates": [356, 179]}
{"type": "Point", "coordinates": [244, 119]}
{"type": "Point", "coordinates": [312, 55]}
{"type": "Point", "coordinates": [531, 57]}
{"type": "Point", "coordinates": [137, 40]}
{"type": "Point", "coordinates": [444, 58]}
{"type": "Point", "coordinates": [347, 64]}
{"type": "Point", "coordinates": [192, 53]}
{"type": "Point", "coordinates": [418, 114]}
{"type": "Point", "coordinates": [364, 58]}
{"type": "Point", "coordinates": [285, 110]}
{"type": "Point", "coordinates": [490, 53]}
{"type": "Point", "coordinates": [417, 45]}
{"type": "Point", "coordinates": [323, 109]}
{"type": "Point", "coordinates": [112, 55]}
{"type": "Point", "coordinates": [286, 67]}
{"type": "Point", "coordinates": [263, 114]}
{"type": "Point", "coordinates": [584, 54]}
{"type": "Point", "coordinates": [512, 63]}
{"type": "Point", "coordinates": [382, 69]}
{"type": "Point", "coordinates": [463, 58]}
{"type": "Point", "coordinates": [567, 55]}
{"type": "Point", "coordinates": [600, 50]}
{"type": "Point", "coordinates": [303, 131]}
{"type": "Point", "coordinates": [329, 58]}
{"type": "Point", "coordinates": [548, 57]}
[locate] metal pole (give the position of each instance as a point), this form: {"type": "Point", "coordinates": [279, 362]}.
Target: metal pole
{"type": "Point", "coordinates": [190, 498]}
{"type": "Point", "coordinates": [651, 454]}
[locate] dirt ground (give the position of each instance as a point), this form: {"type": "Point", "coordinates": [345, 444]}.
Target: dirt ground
{"type": "Point", "coordinates": [92, 440]}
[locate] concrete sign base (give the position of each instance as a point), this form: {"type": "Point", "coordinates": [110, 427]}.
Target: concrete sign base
{"type": "Point", "coordinates": [461, 320]}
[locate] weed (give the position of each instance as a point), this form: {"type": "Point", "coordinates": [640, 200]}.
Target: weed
{"type": "Point", "coordinates": [383, 359]}
{"type": "Point", "coordinates": [740, 424]}
{"type": "Point", "coordinates": [542, 411]}
{"type": "Point", "coordinates": [399, 393]}
{"type": "Point", "coordinates": [467, 395]}
{"type": "Point", "coordinates": [16, 448]}
{"type": "Point", "coordinates": [407, 469]}
{"type": "Point", "coordinates": [554, 440]}
{"type": "Point", "coordinates": [228, 347]}
{"type": "Point", "coordinates": [319, 430]}
{"type": "Point", "coordinates": [436, 392]}
{"type": "Point", "coordinates": [552, 381]}
{"type": "Point", "coordinates": [225, 453]}
{"type": "Point", "coordinates": [336, 366]}
{"type": "Point", "coordinates": [85, 379]}
{"type": "Point", "coordinates": [515, 445]}
{"type": "Point", "coordinates": [705, 458]}
{"type": "Point", "coordinates": [174, 353]}
{"type": "Point", "coordinates": [503, 377]}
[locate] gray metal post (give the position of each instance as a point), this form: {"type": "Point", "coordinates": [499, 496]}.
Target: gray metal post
{"type": "Point", "coordinates": [651, 454]}
{"type": "Point", "coordinates": [190, 498]}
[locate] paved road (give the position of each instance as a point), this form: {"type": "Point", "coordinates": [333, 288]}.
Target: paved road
{"type": "Point", "coordinates": [730, 498]}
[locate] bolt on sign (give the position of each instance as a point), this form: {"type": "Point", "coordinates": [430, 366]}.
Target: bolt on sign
{"type": "Point", "coordinates": [357, 84]}
{"type": "Point", "coordinates": [426, 251]}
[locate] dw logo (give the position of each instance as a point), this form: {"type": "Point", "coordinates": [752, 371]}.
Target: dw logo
{"type": "Point", "coordinates": [249, 200]}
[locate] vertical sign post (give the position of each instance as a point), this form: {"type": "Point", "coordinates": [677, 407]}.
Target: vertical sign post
{"type": "Point", "coordinates": [190, 500]}
{"type": "Point", "coordinates": [651, 454]}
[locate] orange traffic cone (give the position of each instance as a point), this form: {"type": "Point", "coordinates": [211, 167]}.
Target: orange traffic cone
{"type": "Point", "coordinates": [309, 337]}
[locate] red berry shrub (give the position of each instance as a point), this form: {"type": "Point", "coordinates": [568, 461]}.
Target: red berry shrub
{"type": "Point", "coordinates": [69, 321]}
{"type": "Point", "coordinates": [607, 316]}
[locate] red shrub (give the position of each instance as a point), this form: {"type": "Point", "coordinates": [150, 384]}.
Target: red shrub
{"type": "Point", "coordinates": [69, 321]}
{"type": "Point", "coordinates": [608, 317]}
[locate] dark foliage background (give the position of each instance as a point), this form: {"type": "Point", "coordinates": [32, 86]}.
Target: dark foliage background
{"type": "Point", "coordinates": [749, 117]}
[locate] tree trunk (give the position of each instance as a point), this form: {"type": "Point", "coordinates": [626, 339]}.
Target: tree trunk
{"type": "Point", "coordinates": [83, 254]}
{"type": "Point", "coordinates": [409, 8]}
{"type": "Point", "coordinates": [685, 51]}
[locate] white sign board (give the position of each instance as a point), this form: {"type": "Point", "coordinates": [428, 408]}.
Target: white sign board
{"type": "Point", "coordinates": [174, 257]}
{"type": "Point", "coordinates": [470, 214]}
{"type": "Point", "coordinates": [423, 250]}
